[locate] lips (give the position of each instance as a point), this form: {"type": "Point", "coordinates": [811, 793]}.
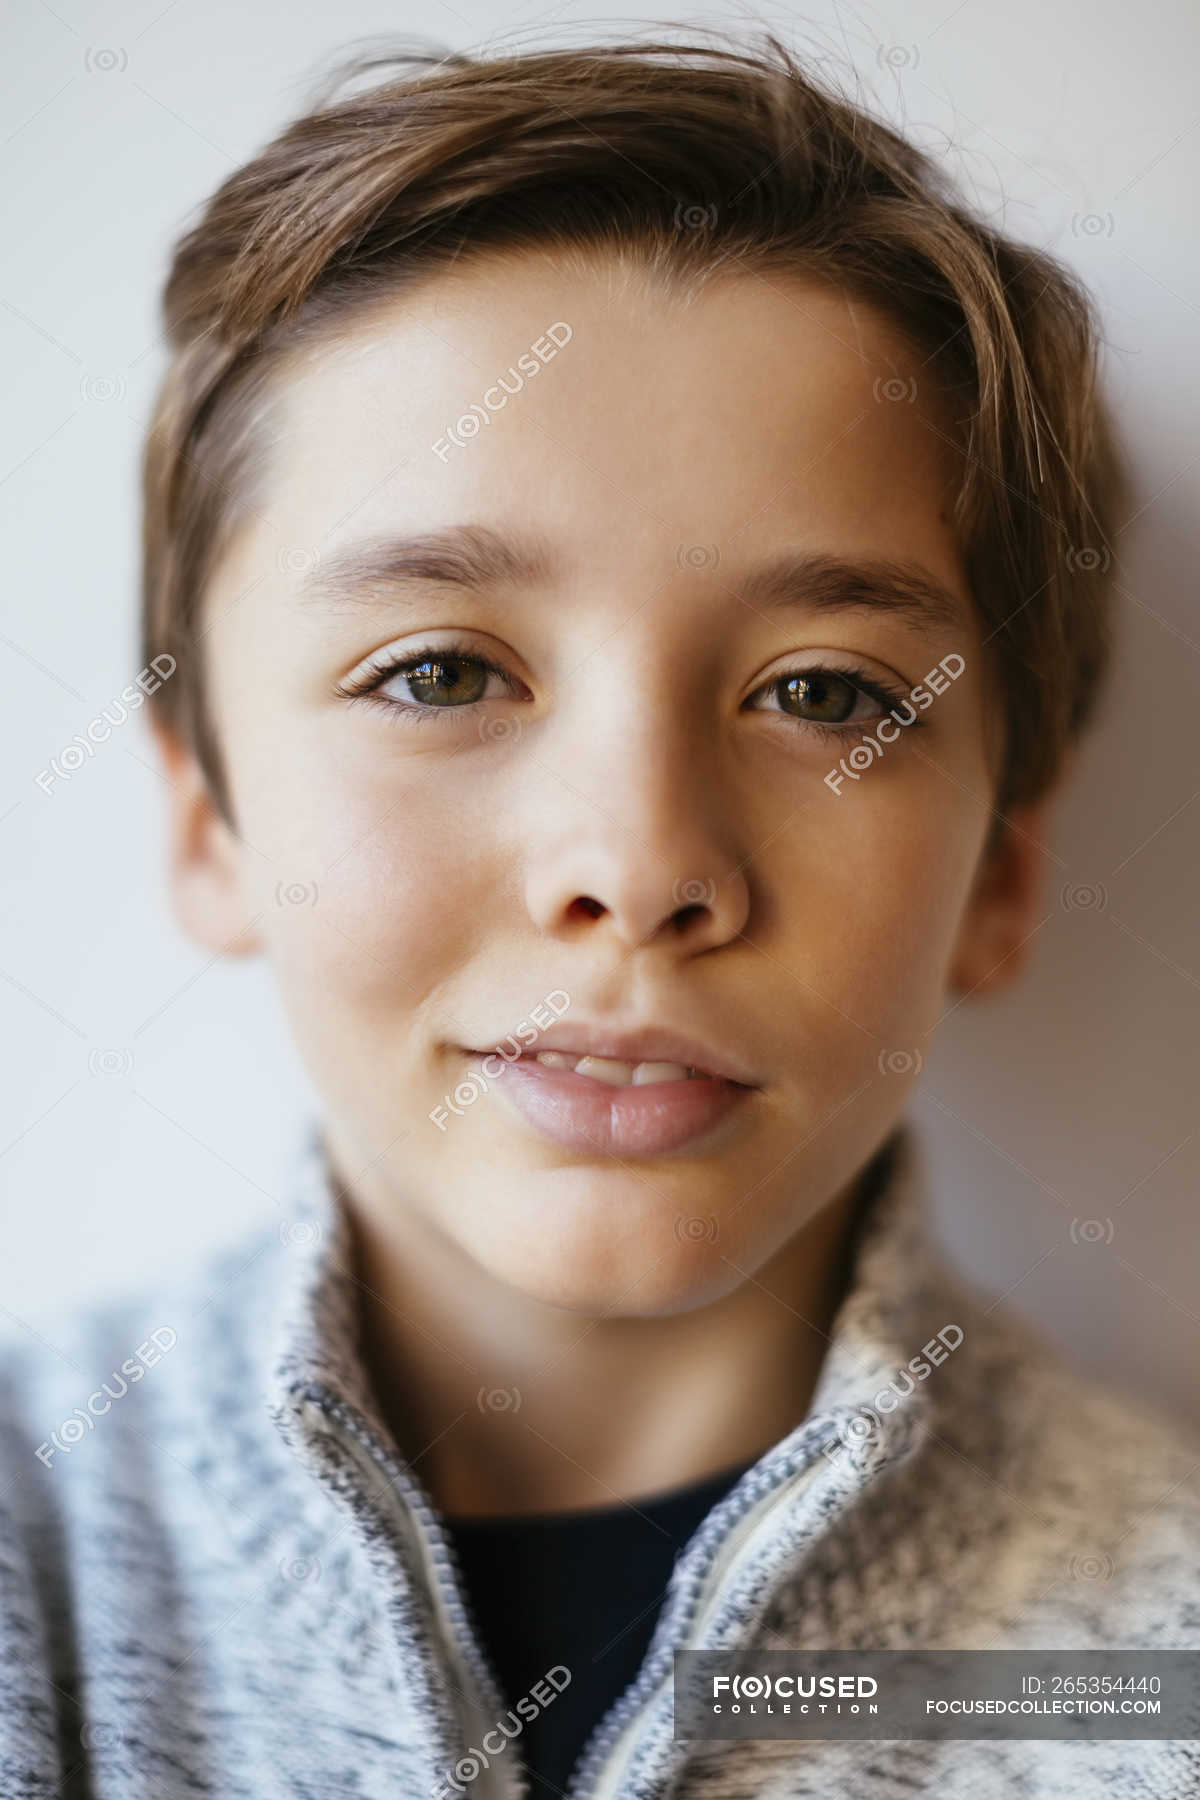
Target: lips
{"type": "Point", "coordinates": [632, 1093]}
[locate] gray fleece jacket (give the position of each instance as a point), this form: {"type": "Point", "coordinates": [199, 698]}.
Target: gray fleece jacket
{"type": "Point", "coordinates": [219, 1577]}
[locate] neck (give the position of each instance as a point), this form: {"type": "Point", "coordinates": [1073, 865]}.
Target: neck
{"type": "Point", "coordinates": [504, 1404]}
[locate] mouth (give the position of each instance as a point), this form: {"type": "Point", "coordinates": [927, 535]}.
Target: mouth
{"type": "Point", "coordinates": [615, 1106]}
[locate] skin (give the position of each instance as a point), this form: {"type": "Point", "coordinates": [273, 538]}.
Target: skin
{"type": "Point", "coordinates": [541, 1331]}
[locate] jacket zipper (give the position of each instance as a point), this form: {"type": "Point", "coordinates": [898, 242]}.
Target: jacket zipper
{"type": "Point", "coordinates": [500, 1780]}
{"type": "Point", "coordinates": [606, 1755]}
{"type": "Point", "coordinates": [607, 1752]}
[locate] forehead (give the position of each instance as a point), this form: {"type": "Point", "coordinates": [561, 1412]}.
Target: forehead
{"type": "Point", "coordinates": [619, 413]}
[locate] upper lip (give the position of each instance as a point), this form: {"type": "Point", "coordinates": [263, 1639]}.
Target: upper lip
{"type": "Point", "coordinates": [644, 1043]}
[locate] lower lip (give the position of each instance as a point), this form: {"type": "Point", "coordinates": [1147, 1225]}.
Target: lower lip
{"type": "Point", "coordinates": [584, 1114]}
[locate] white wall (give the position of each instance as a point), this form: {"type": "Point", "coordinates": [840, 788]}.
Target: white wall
{"type": "Point", "coordinates": [1072, 1099]}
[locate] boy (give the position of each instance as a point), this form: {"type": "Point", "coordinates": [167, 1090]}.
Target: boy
{"type": "Point", "coordinates": [633, 547]}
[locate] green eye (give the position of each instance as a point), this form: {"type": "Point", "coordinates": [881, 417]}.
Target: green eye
{"type": "Point", "coordinates": [436, 678]}
{"type": "Point", "coordinates": [445, 680]}
{"type": "Point", "coordinates": [824, 699]}
{"type": "Point", "coordinates": [817, 695]}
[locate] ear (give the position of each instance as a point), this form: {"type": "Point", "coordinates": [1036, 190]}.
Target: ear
{"type": "Point", "coordinates": [1007, 900]}
{"type": "Point", "coordinates": [205, 856]}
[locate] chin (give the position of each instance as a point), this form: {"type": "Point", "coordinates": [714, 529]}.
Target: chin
{"type": "Point", "coordinates": [592, 1296]}
{"type": "Point", "coordinates": [617, 1257]}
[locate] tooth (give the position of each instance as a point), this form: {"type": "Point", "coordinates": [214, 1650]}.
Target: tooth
{"type": "Point", "coordinates": [648, 1072]}
{"type": "Point", "coordinates": [616, 1072]}
{"type": "Point", "coordinates": [605, 1068]}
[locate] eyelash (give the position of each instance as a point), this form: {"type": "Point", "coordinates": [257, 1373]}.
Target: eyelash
{"type": "Point", "coordinates": [365, 690]}
{"type": "Point", "coordinates": [412, 712]}
{"type": "Point", "coordinates": [858, 678]}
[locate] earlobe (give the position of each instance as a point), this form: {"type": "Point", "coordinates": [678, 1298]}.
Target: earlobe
{"type": "Point", "coordinates": [1004, 910]}
{"type": "Point", "coordinates": [205, 858]}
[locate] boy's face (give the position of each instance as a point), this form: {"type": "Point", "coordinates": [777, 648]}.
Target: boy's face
{"type": "Point", "coordinates": [423, 876]}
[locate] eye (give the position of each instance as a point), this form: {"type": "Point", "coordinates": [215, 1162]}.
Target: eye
{"type": "Point", "coordinates": [445, 678]}
{"type": "Point", "coordinates": [828, 699]}
{"type": "Point", "coordinates": [442, 680]}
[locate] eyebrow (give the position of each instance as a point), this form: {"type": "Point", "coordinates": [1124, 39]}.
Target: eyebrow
{"type": "Point", "coordinates": [459, 556]}
{"type": "Point", "coordinates": [476, 558]}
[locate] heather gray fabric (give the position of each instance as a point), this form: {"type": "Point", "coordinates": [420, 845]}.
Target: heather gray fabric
{"type": "Point", "coordinates": [220, 1578]}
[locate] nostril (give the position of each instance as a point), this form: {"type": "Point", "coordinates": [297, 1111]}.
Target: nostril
{"type": "Point", "coordinates": [683, 918]}
{"type": "Point", "coordinates": [584, 903]}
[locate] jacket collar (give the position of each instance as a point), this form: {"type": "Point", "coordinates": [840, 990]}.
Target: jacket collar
{"type": "Point", "coordinates": [871, 1412]}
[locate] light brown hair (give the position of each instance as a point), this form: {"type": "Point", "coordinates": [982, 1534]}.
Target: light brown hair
{"type": "Point", "coordinates": [699, 159]}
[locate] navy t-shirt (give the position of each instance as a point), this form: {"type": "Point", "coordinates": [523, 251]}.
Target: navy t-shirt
{"type": "Point", "coordinates": [581, 1589]}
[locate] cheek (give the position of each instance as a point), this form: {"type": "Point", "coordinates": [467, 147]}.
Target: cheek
{"type": "Point", "coordinates": [370, 886]}
{"type": "Point", "coordinates": [877, 885]}
{"type": "Point", "coordinates": [362, 967]}
{"type": "Point", "coordinates": [381, 918]}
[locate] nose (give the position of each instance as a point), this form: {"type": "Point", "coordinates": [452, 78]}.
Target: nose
{"type": "Point", "coordinates": [634, 841]}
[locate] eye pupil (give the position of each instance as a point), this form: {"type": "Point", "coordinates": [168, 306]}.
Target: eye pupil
{"type": "Point", "coordinates": [822, 696]}
{"type": "Point", "coordinates": [436, 681]}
